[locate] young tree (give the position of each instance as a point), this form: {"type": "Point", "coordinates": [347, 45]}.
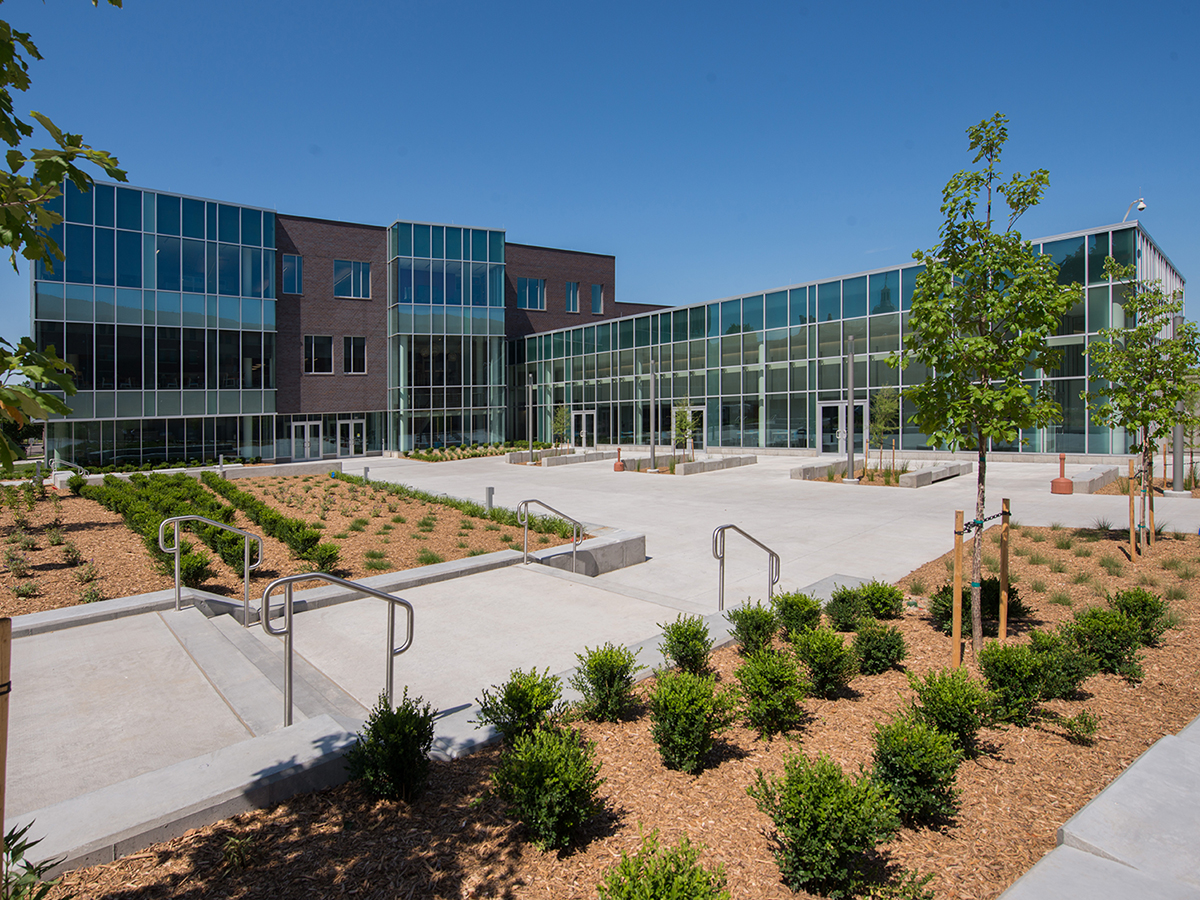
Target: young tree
{"type": "Point", "coordinates": [560, 426]}
{"type": "Point", "coordinates": [982, 312]}
{"type": "Point", "coordinates": [682, 429]}
{"type": "Point", "coordinates": [34, 177]}
{"type": "Point", "coordinates": [1150, 369]}
{"type": "Point", "coordinates": [885, 415]}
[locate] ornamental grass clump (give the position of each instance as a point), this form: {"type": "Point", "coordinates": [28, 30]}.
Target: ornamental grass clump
{"type": "Point", "coordinates": [549, 778]}
{"type": "Point", "coordinates": [878, 647]}
{"type": "Point", "coordinates": [753, 626]}
{"type": "Point", "coordinates": [663, 873]}
{"type": "Point", "coordinates": [686, 644]}
{"type": "Point", "coordinates": [825, 823]}
{"type": "Point", "coordinates": [831, 663]}
{"type": "Point", "coordinates": [687, 713]}
{"type": "Point", "coordinates": [917, 764]}
{"type": "Point", "coordinates": [772, 691]}
{"type": "Point", "coordinates": [795, 611]}
{"type": "Point", "coordinates": [391, 758]}
{"type": "Point", "coordinates": [605, 679]}
{"type": "Point", "coordinates": [953, 702]}
{"type": "Point", "coordinates": [521, 704]}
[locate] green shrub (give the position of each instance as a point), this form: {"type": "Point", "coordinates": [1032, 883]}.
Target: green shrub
{"type": "Point", "coordinates": [605, 678]}
{"type": "Point", "coordinates": [1110, 637]}
{"type": "Point", "coordinates": [195, 568]}
{"type": "Point", "coordinates": [882, 600]}
{"type": "Point", "coordinates": [772, 690]}
{"type": "Point", "coordinates": [522, 703]}
{"type": "Point", "coordinates": [687, 712]}
{"type": "Point", "coordinates": [1062, 667]}
{"type": "Point", "coordinates": [951, 701]}
{"type": "Point", "coordinates": [917, 764]}
{"type": "Point", "coordinates": [941, 606]}
{"type": "Point", "coordinates": [549, 778]}
{"type": "Point", "coordinates": [831, 664]}
{"type": "Point", "coordinates": [686, 644]}
{"type": "Point", "coordinates": [663, 873]}
{"type": "Point", "coordinates": [1014, 677]}
{"type": "Point", "coordinates": [753, 626]}
{"type": "Point", "coordinates": [391, 758]}
{"type": "Point", "coordinates": [324, 556]}
{"type": "Point", "coordinates": [1151, 614]}
{"type": "Point", "coordinates": [846, 608]}
{"type": "Point", "coordinates": [75, 483]}
{"type": "Point", "coordinates": [878, 647]}
{"type": "Point", "coordinates": [825, 823]}
{"type": "Point", "coordinates": [1082, 728]}
{"type": "Point", "coordinates": [796, 612]}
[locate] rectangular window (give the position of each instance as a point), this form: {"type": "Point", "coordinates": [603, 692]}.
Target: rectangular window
{"type": "Point", "coordinates": [318, 355]}
{"type": "Point", "coordinates": [573, 296]}
{"type": "Point", "coordinates": [354, 355]}
{"type": "Point", "coordinates": [351, 279]}
{"type": "Point", "coordinates": [531, 293]}
{"type": "Point", "coordinates": [293, 274]}
{"type": "Point", "coordinates": [597, 299]}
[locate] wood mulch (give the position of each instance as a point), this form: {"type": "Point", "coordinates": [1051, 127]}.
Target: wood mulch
{"type": "Point", "coordinates": [457, 842]}
{"type": "Point", "coordinates": [400, 533]}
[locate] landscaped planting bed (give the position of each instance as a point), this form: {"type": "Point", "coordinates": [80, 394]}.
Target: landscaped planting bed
{"type": "Point", "coordinates": [458, 841]}
{"type": "Point", "coordinates": [373, 527]}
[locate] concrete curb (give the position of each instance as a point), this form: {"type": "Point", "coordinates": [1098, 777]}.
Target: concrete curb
{"type": "Point", "coordinates": [570, 459]}
{"type": "Point", "coordinates": [233, 470]}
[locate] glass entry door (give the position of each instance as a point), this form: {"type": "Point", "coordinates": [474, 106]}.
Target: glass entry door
{"type": "Point", "coordinates": [352, 437]}
{"type": "Point", "coordinates": [306, 440]}
{"type": "Point", "coordinates": [698, 414]}
{"type": "Point", "coordinates": [833, 427]}
{"type": "Point", "coordinates": [583, 428]}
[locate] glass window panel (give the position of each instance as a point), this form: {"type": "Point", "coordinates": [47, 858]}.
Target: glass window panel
{"type": "Point", "coordinates": [798, 339]}
{"type": "Point", "coordinates": [129, 306]}
{"type": "Point", "coordinates": [421, 280]}
{"type": "Point", "coordinates": [129, 209]}
{"type": "Point", "coordinates": [1097, 251]}
{"type": "Point", "coordinates": [229, 362]}
{"type": "Point", "coordinates": [103, 196]}
{"type": "Point", "coordinates": [252, 361]}
{"type": "Point", "coordinates": [79, 205]}
{"type": "Point", "coordinates": [908, 284]}
{"type": "Point", "coordinates": [229, 222]}
{"type": "Point", "coordinates": [168, 214]}
{"type": "Point", "coordinates": [269, 230]}
{"type": "Point", "coordinates": [731, 317]}
{"type": "Point", "coordinates": [105, 263]}
{"type": "Point", "coordinates": [403, 286]}
{"type": "Point", "coordinates": [421, 241]}
{"type": "Point", "coordinates": [752, 313]}
{"type": "Point", "coordinates": [148, 206]}
{"type": "Point", "coordinates": [1098, 308]}
{"type": "Point", "coordinates": [751, 347]}
{"type": "Point", "coordinates": [479, 284]}
{"type": "Point", "coordinates": [168, 359]}
{"type": "Point", "coordinates": [49, 304]}
{"type": "Point", "coordinates": [437, 236]}
{"type": "Point", "coordinates": [454, 283]}
{"type": "Point", "coordinates": [166, 304]}
{"type": "Point", "coordinates": [210, 228]}
{"type": "Point", "coordinates": [603, 338]}
{"type": "Point", "coordinates": [453, 243]}
{"type": "Point", "coordinates": [193, 266]}
{"type": "Point", "coordinates": [1073, 321]}
{"type": "Point", "coordinates": [251, 272]}
{"type": "Point", "coordinates": [479, 241]}
{"type": "Point", "coordinates": [252, 227]}
{"type": "Point", "coordinates": [854, 297]}
{"type": "Point", "coordinates": [251, 313]}
{"type": "Point", "coordinates": [696, 321]}
{"type": "Point", "coordinates": [829, 339]}
{"type": "Point", "coordinates": [1123, 247]}
{"type": "Point", "coordinates": [229, 272]}
{"type": "Point", "coordinates": [776, 315]}
{"type": "Point", "coordinates": [798, 306]}
{"type": "Point", "coordinates": [625, 334]}
{"type": "Point", "coordinates": [885, 333]}
{"type": "Point", "coordinates": [193, 311]}
{"type": "Point", "coordinates": [496, 246]}
{"type": "Point", "coordinates": [52, 269]}
{"type": "Point", "coordinates": [129, 259]}
{"type": "Point", "coordinates": [437, 282]}
{"type": "Point", "coordinates": [79, 251]}
{"type": "Point", "coordinates": [856, 328]}
{"type": "Point", "coordinates": [230, 314]}
{"type": "Point", "coordinates": [641, 331]}
{"type": "Point", "coordinates": [496, 293]}
{"type": "Point", "coordinates": [168, 262]}
{"type": "Point", "coordinates": [731, 350]}
{"type": "Point", "coordinates": [1068, 255]}
{"type": "Point", "coordinates": [829, 301]}
{"type": "Point", "coordinates": [129, 356]}
{"type": "Point", "coordinates": [885, 292]}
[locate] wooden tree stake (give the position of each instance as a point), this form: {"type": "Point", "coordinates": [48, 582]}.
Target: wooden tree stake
{"type": "Point", "coordinates": [1132, 514]}
{"type": "Point", "coordinates": [1004, 516]}
{"type": "Point", "coordinates": [5, 690]}
{"type": "Point", "coordinates": [956, 632]}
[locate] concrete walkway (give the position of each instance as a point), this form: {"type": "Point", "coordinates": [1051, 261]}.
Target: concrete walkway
{"type": "Point", "coordinates": [188, 710]}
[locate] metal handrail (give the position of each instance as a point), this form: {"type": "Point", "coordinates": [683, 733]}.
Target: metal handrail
{"type": "Point", "coordinates": [718, 549]}
{"type": "Point", "coordinates": [58, 463]}
{"type": "Point", "coordinates": [286, 631]}
{"type": "Point", "coordinates": [247, 567]}
{"type": "Point", "coordinates": [576, 527]}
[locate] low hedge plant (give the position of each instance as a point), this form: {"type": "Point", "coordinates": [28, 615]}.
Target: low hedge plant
{"type": "Point", "coordinates": [882, 600]}
{"type": "Point", "coordinates": [917, 765]}
{"type": "Point", "coordinates": [941, 606]}
{"type": "Point", "coordinates": [521, 704]}
{"type": "Point", "coordinates": [391, 758]}
{"type": "Point", "coordinates": [878, 647]}
{"type": "Point", "coordinates": [753, 626]}
{"type": "Point", "coordinates": [772, 691]}
{"type": "Point", "coordinates": [605, 679]}
{"type": "Point", "coordinates": [663, 873]}
{"type": "Point", "coordinates": [846, 608]}
{"type": "Point", "coordinates": [686, 644]}
{"type": "Point", "coordinates": [1014, 678]}
{"type": "Point", "coordinates": [1110, 637]}
{"type": "Point", "coordinates": [1151, 614]}
{"type": "Point", "coordinates": [1062, 666]}
{"type": "Point", "coordinates": [687, 713]}
{"type": "Point", "coordinates": [795, 611]}
{"type": "Point", "coordinates": [953, 702]}
{"type": "Point", "coordinates": [831, 663]}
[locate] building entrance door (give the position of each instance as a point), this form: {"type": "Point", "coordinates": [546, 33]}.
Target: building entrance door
{"type": "Point", "coordinates": [583, 428]}
{"type": "Point", "coordinates": [699, 416]}
{"type": "Point", "coordinates": [833, 427]}
{"type": "Point", "coordinates": [306, 440]}
{"type": "Point", "coordinates": [352, 439]}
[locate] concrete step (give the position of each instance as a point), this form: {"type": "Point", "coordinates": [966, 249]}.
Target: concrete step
{"type": "Point", "coordinates": [313, 692]}
{"type": "Point", "coordinates": [244, 687]}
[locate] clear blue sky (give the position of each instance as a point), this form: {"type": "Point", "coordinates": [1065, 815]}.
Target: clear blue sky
{"type": "Point", "coordinates": [714, 148]}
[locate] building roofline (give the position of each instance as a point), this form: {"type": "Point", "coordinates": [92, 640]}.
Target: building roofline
{"type": "Point", "coordinates": [562, 250]}
{"type": "Point", "coordinates": [332, 221]}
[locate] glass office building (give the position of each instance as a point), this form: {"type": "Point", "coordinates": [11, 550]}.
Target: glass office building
{"type": "Point", "coordinates": [445, 336]}
{"type": "Point", "coordinates": [768, 369]}
{"type": "Point", "coordinates": [165, 306]}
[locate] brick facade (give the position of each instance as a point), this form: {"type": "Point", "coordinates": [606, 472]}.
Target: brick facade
{"type": "Point", "coordinates": [558, 267]}
{"type": "Point", "coordinates": [318, 312]}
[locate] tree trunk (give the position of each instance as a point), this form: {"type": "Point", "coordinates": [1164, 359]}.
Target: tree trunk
{"type": "Point", "coordinates": [1142, 543]}
{"type": "Point", "coordinates": [977, 555]}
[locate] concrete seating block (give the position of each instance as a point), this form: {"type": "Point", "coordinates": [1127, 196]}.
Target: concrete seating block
{"type": "Point", "coordinates": [1094, 479]}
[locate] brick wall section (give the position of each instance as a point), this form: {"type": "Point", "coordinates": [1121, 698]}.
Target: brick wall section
{"type": "Point", "coordinates": [317, 312]}
{"type": "Point", "coordinates": [558, 267]}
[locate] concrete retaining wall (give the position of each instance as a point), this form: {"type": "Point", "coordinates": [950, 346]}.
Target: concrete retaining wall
{"type": "Point", "coordinates": [598, 555]}
{"type": "Point", "coordinates": [930, 474]}
{"type": "Point", "coordinates": [1094, 479]}
{"type": "Point", "coordinates": [570, 459]}
{"type": "Point", "coordinates": [520, 457]}
{"type": "Point", "coordinates": [819, 470]}
{"type": "Point", "coordinates": [714, 464]}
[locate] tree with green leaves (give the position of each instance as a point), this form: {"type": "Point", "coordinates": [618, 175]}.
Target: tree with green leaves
{"type": "Point", "coordinates": [982, 312]}
{"type": "Point", "coordinates": [682, 426]}
{"type": "Point", "coordinates": [34, 178]}
{"type": "Point", "coordinates": [1147, 371]}
{"type": "Point", "coordinates": [885, 416]}
{"type": "Point", "coordinates": [560, 425]}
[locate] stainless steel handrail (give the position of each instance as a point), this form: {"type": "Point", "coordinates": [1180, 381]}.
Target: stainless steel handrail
{"type": "Point", "coordinates": [718, 549]}
{"type": "Point", "coordinates": [245, 546]}
{"type": "Point", "coordinates": [59, 463]}
{"type": "Point", "coordinates": [576, 527]}
{"type": "Point", "coordinates": [286, 631]}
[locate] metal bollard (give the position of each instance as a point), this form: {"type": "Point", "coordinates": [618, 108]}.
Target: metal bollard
{"type": "Point", "coordinates": [221, 464]}
{"type": "Point", "coordinates": [366, 473]}
{"type": "Point", "coordinates": [488, 495]}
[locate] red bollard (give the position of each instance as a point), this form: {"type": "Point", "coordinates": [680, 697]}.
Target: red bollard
{"type": "Point", "coordinates": [1062, 484]}
{"type": "Point", "coordinates": [618, 466]}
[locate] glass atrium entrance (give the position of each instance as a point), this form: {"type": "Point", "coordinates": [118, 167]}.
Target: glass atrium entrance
{"type": "Point", "coordinates": [833, 427]}
{"type": "Point", "coordinates": [583, 428]}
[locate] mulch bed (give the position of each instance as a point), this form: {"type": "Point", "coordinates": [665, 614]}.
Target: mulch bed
{"type": "Point", "coordinates": [358, 518]}
{"type": "Point", "coordinates": [457, 842]}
